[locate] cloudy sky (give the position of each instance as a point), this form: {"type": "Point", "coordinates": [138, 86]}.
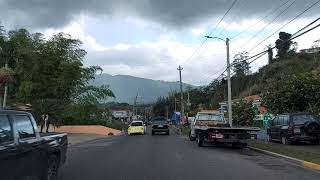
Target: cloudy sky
{"type": "Point", "coordinates": [150, 38]}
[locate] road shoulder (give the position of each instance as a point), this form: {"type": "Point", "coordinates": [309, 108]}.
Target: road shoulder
{"type": "Point", "coordinates": [294, 154]}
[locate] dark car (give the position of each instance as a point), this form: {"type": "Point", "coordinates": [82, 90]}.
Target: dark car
{"type": "Point", "coordinates": [24, 152]}
{"type": "Point", "coordinates": [159, 125]}
{"type": "Point", "coordinates": [294, 127]}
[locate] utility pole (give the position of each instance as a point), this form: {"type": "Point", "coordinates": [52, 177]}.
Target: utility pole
{"type": "Point", "coordinates": [175, 104]}
{"type": "Point", "coordinates": [181, 93]}
{"type": "Point", "coordinates": [167, 112]}
{"type": "Point", "coordinates": [270, 55]}
{"type": "Point", "coordinates": [229, 84]}
{"type": "Point", "coordinates": [228, 77]}
{"type": "Point", "coordinates": [134, 110]}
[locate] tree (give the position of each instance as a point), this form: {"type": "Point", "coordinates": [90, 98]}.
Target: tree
{"type": "Point", "coordinates": [49, 73]}
{"type": "Point", "coordinates": [294, 93]}
{"type": "Point", "coordinates": [283, 44]}
{"type": "Point", "coordinates": [240, 64]}
{"type": "Point", "coordinates": [243, 113]}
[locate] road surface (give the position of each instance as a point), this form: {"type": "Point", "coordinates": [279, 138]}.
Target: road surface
{"type": "Point", "coordinates": [172, 157]}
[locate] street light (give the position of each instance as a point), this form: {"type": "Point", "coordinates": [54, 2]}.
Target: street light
{"type": "Point", "coordinates": [228, 77]}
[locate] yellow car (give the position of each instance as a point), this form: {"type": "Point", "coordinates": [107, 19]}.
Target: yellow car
{"type": "Point", "coordinates": [136, 127]}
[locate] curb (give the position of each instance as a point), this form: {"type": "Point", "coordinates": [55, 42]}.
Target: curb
{"type": "Point", "coordinates": [178, 130]}
{"type": "Point", "coordinates": [296, 161]}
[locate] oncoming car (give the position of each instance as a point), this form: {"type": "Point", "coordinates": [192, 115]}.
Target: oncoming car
{"type": "Point", "coordinates": [136, 127]}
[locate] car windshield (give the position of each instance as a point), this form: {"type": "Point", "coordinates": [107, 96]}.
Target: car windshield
{"type": "Point", "coordinates": [159, 119]}
{"type": "Point", "coordinates": [136, 124]}
{"type": "Point", "coordinates": [210, 117]}
{"type": "Point", "coordinates": [303, 118]}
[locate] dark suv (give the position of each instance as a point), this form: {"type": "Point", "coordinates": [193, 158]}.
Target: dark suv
{"type": "Point", "coordinates": [160, 124]}
{"type": "Point", "coordinates": [293, 127]}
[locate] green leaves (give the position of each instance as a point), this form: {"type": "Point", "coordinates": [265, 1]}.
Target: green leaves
{"type": "Point", "coordinates": [49, 73]}
{"type": "Point", "coordinates": [294, 93]}
{"type": "Point", "coordinates": [243, 113]}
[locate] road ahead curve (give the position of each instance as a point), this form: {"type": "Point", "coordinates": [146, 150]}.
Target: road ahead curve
{"type": "Point", "coordinates": [172, 158]}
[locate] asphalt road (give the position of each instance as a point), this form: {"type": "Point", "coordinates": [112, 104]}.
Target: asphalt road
{"type": "Point", "coordinates": [173, 157]}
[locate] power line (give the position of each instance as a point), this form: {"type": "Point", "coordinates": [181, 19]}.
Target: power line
{"type": "Point", "coordinates": [267, 15]}
{"type": "Point", "coordinates": [270, 22]}
{"type": "Point", "coordinates": [225, 14]}
{"type": "Point", "coordinates": [205, 40]}
{"type": "Point", "coordinates": [292, 38]}
{"type": "Point", "coordinates": [307, 9]}
{"type": "Point", "coordinates": [306, 26]}
{"type": "Point", "coordinates": [259, 55]}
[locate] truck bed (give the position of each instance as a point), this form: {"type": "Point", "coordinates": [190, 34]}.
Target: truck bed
{"type": "Point", "coordinates": [228, 128]}
{"type": "Point", "coordinates": [52, 134]}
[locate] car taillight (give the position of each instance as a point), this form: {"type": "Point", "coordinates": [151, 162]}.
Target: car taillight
{"type": "Point", "coordinates": [291, 128]}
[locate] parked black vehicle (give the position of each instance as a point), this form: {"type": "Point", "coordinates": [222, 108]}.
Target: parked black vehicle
{"type": "Point", "coordinates": [294, 127]}
{"type": "Point", "coordinates": [24, 152]}
{"type": "Point", "coordinates": [159, 125]}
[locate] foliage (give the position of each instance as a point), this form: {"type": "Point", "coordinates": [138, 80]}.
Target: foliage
{"type": "Point", "coordinates": [49, 73]}
{"type": "Point", "coordinates": [240, 64]}
{"type": "Point", "coordinates": [294, 93]}
{"type": "Point", "coordinates": [6, 76]}
{"type": "Point", "coordinates": [243, 113]}
{"type": "Point", "coordinates": [283, 44]}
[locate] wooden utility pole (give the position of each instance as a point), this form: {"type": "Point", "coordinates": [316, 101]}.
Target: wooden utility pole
{"type": "Point", "coordinates": [181, 93]}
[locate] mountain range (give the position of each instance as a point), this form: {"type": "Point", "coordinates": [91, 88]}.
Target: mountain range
{"type": "Point", "coordinates": [126, 87]}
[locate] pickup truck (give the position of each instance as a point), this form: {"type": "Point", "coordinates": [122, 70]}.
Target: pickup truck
{"type": "Point", "coordinates": [211, 127]}
{"type": "Point", "coordinates": [24, 152]}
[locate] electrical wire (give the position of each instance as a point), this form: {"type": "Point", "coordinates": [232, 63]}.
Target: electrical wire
{"type": "Point", "coordinates": [270, 22]}
{"type": "Point", "coordinates": [307, 9]}
{"type": "Point", "coordinates": [205, 40]}
{"type": "Point", "coordinates": [259, 55]}
{"type": "Point", "coordinates": [266, 16]}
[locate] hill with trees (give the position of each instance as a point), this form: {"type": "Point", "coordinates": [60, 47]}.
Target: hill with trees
{"type": "Point", "coordinates": [289, 83]}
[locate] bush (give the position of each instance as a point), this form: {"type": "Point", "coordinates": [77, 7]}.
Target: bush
{"type": "Point", "coordinates": [243, 113]}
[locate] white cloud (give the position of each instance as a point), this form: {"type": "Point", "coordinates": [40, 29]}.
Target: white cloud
{"type": "Point", "coordinates": [158, 59]}
{"type": "Point", "coordinates": [76, 30]}
{"type": "Point", "coordinates": [197, 31]}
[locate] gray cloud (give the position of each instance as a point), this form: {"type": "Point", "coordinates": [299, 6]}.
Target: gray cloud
{"type": "Point", "coordinates": [169, 13]}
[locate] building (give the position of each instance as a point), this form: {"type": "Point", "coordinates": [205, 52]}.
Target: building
{"type": "Point", "coordinates": [256, 102]}
{"type": "Point", "coordinates": [255, 99]}
{"type": "Point", "coordinates": [121, 114]}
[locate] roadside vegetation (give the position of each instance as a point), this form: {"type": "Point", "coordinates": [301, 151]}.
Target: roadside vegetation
{"type": "Point", "coordinates": [48, 75]}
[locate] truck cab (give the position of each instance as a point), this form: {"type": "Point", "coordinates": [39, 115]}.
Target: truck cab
{"type": "Point", "coordinates": [24, 152]}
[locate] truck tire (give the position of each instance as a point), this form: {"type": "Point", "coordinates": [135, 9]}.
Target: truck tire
{"type": "Point", "coordinates": [167, 133]}
{"type": "Point", "coordinates": [190, 137]}
{"type": "Point", "coordinates": [53, 168]}
{"type": "Point", "coordinates": [200, 139]}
